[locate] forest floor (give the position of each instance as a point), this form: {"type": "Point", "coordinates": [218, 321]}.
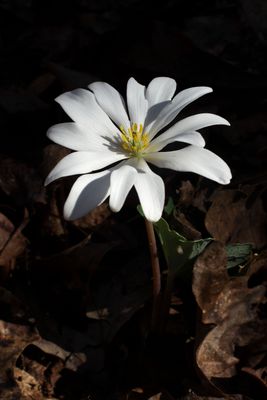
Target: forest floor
{"type": "Point", "coordinates": [75, 303]}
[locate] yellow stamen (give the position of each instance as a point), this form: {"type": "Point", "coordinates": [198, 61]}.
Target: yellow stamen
{"type": "Point", "coordinates": [134, 140]}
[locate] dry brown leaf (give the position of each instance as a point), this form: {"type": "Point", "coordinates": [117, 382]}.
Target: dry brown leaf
{"type": "Point", "coordinates": [210, 276]}
{"type": "Point", "coordinates": [232, 306]}
{"type": "Point", "coordinates": [13, 339]}
{"type": "Point", "coordinates": [186, 193]}
{"type": "Point", "coordinates": [30, 389]}
{"type": "Point", "coordinates": [238, 216]}
{"type": "Point", "coordinates": [15, 336]}
{"type": "Point", "coordinates": [12, 243]}
{"type": "Point", "coordinates": [157, 396]}
{"type": "Point", "coordinates": [182, 224]}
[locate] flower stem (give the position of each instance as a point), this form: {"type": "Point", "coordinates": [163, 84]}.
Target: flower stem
{"type": "Point", "coordinates": [155, 271]}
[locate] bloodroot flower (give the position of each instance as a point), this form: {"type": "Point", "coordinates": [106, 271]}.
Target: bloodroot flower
{"type": "Point", "coordinates": [113, 147]}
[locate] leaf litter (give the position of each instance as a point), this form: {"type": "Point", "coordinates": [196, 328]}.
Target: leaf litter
{"type": "Point", "coordinates": [75, 296]}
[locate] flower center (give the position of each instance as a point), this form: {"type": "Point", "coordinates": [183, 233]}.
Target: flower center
{"type": "Point", "coordinates": [134, 140]}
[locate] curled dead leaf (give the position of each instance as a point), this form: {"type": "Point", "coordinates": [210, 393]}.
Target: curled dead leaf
{"type": "Point", "coordinates": [233, 306]}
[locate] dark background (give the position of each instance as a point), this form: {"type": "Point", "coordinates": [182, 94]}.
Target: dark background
{"type": "Point", "coordinates": [48, 47]}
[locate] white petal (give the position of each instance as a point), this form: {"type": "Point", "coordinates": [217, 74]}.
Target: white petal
{"type": "Point", "coordinates": [121, 182]}
{"type": "Point", "coordinates": [193, 159]}
{"type": "Point", "coordinates": [81, 106]}
{"type": "Point", "coordinates": [180, 101]}
{"type": "Point", "coordinates": [112, 102]}
{"type": "Point", "coordinates": [151, 192]}
{"type": "Point", "coordinates": [160, 90]}
{"type": "Point", "coordinates": [136, 101]}
{"type": "Point", "coordinates": [152, 114]}
{"type": "Point", "coordinates": [88, 192]}
{"type": "Point", "coordinates": [159, 93]}
{"type": "Point", "coordinates": [82, 162]}
{"type": "Point", "coordinates": [192, 123]}
{"type": "Point", "coordinates": [192, 137]}
{"type": "Point", "coordinates": [76, 137]}
{"type": "Point", "coordinates": [187, 96]}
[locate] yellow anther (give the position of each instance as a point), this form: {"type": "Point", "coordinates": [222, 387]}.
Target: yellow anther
{"type": "Point", "coordinates": [134, 140]}
{"type": "Point", "coordinates": [122, 129]}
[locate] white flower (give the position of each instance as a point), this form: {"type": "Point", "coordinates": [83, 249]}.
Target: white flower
{"type": "Point", "coordinates": [103, 134]}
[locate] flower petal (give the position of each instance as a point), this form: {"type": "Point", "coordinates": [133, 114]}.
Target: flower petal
{"type": "Point", "coordinates": [192, 137]}
{"type": "Point", "coordinates": [136, 101]}
{"type": "Point", "coordinates": [193, 159]}
{"type": "Point", "coordinates": [189, 124]}
{"type": "Point", "coordinates": [171, 110]}
{"type": "Point", "coordinates": [187, 96]}
{"type": "Point", "coordinates": [112, 103]}
{"type": "Point", "coordinates": [151, 191]}
{"type": "Point", "coordinates": [81, 106]}
{"type": "Point", "coordinates": [121, 182]}
{"type": "Point", "coordinates": [88, 192]}
{"type": "Point", "coordinates": [82, 162]}
{"type": "Point", "coordinates": [160, 90]}
{"type": "Point", "coordinates": [152, 114]}
{"type": "Point", "coordinates": [76, 137]}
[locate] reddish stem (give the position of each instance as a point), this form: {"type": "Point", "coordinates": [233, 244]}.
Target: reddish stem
{"type": "Point", "coordinates": [155, 270]}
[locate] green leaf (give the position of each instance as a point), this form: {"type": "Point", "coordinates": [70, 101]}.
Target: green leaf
{"type": "Point", "coordinates": [238, 254]}
{"type": "Point", "coordinates": [170, 206]}
{"type": "Point", "coordinates": [140, 210]}
{"type": "Point", "coordinates": [178, 251]}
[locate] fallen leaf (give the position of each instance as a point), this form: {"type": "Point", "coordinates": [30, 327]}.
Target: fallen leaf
{"type": "Point", "coordinates": [238, 216]}
{"type": "Point", "coordinates": [29, 388]}
{"type": "Point", "coordinates": [13, 340]}
{"type": "Point", "coordinates": [186, 193]}
{"type": "Point", "coordinates": [12, 244]}
{"type": "Point", "coordinates": [209, 278]}
{"type": "Point", "coordinates": [233, 306]}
